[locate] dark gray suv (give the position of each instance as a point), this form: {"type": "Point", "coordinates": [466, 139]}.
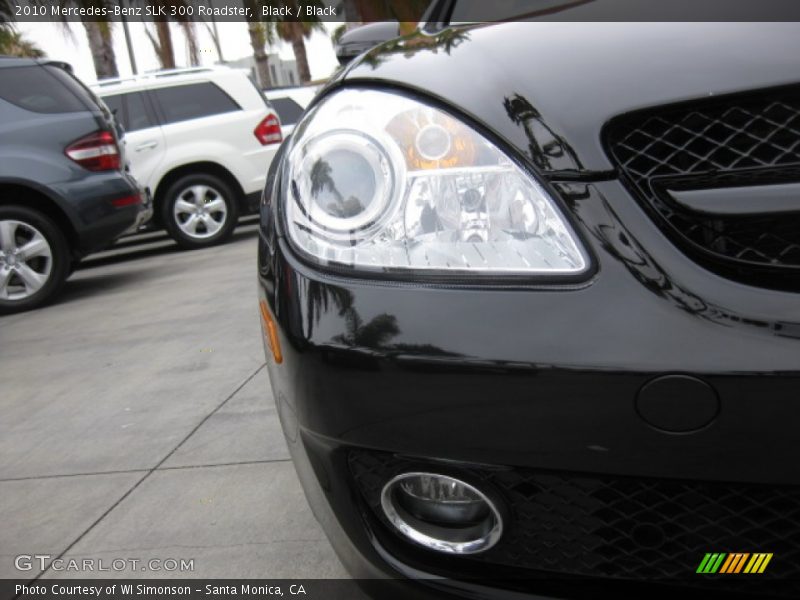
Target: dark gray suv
{"type": "Point", "coordinates": [63, 190]}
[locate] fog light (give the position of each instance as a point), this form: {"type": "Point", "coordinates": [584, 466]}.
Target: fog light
{"type": "Point", "coordinates": [442, 513]}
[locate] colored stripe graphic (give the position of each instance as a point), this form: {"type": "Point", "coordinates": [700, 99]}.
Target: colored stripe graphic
{"type": "Point", "coordinates": [755, 562]}
{"type": "Point", "coordinates": [730, 565]}
{"type": "Point", "coordinates": [735, 562]}
{"type": "Point", "coordinates": [742, 562]}
{"type": "Point", "coordinates": [717, 563]}
{"type": "Point", "coordinates": [758, 563]}
{"type": "Point", "coordinates": [711, 562]}
{"type": "Point", "coordinates": [727, 564]}
{"type": "Point", "coordinates": [703, 564]}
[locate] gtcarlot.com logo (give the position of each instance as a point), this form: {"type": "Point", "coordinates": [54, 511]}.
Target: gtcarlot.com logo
{"type": "Point", "coordinates": [734, 562]}
{"type": "Point", "coordinates": [28, 562]}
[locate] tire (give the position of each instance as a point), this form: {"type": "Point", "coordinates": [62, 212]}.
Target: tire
{"type": "Point", "coordinates": [73, 265]}
{"type": "Point", "coordinates": [187, 215]}
{"type": "Point", "coordinates": [28, 281]}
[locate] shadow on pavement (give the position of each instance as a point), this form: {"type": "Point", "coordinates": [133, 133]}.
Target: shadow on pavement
{"type": "Point", "coordinates": [75, 289]}
{"type": "Point", "coordinates": [84, 283]}
{"type": "Point", "coordinates": [154, 244]}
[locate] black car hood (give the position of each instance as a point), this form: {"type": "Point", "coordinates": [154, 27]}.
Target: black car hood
{"type": "Point", "coordinates": [548, 88]}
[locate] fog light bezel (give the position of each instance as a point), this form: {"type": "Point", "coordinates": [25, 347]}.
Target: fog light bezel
{"type": "Point", "coordinates": [488, 532]}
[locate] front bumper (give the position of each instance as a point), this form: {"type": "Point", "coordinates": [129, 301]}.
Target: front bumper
{"type": "Point", "coordinates": [545, 383]}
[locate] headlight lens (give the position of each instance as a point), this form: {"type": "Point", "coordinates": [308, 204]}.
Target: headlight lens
{"type": "Point", "coordinates": [380, 182]}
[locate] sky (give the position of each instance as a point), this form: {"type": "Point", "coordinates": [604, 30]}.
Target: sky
{"type": "Point", "coordinates": [58, 44]}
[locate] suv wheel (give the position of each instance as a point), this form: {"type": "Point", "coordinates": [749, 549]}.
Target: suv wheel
{"type": "Point", "coordinates": [200, 211]}
{"type": "Point", "coordinates": [34, 258]}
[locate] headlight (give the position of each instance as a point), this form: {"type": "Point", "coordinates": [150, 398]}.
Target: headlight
{"type": "Point", "coordinates": [377, 181]}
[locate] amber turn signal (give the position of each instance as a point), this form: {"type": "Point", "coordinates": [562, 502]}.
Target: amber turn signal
{"type": "Point", "coordinates": [271, 333]}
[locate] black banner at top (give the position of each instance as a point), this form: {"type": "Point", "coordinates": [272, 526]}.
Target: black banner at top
{"type": "Point", "coordinates": [455, 11]}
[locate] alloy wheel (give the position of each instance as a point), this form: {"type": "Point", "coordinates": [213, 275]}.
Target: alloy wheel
{"type": "Point", "coordinates": [200, 211]}
{"type": "Point", "coordinates": [26, 260]}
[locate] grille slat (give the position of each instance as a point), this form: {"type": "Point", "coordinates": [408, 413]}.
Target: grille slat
{"type": "Point", "coordinates": [620, 527]}
{"type": "Point", "coordinates": [741, 140]}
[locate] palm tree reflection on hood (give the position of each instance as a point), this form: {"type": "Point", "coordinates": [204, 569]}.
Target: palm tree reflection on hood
{"type": "Point", "coordinates": [374, 334]}
{"type": "Point", "coordinates": [322, 181]}
{"type": "Point", "coordinates": [547, 149]}
{"type": "Point", "coordinates": [411, 44]}
{"type": "Point", "coordinates": [320, 298]}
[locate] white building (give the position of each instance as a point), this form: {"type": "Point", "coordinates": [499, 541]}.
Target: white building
{"type": "Point", "coordinates": [282, 73]}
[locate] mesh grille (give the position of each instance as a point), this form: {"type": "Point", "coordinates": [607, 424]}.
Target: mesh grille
{"type": "Point", "coordinates": [716, 143]}
{"type": "Point", "coordinates": [624, 528]}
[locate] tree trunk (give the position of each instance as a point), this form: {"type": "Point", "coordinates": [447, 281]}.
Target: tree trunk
{"type": "Point", "coordinates": [299, 48]}
{"type": "Point", "coordinates": [212, 31]}
{"type": "Point", "coordinates": [191, 42]}
{"type": "Point", "coordinates": [370, 11]}
{"type": "Point", "coordinates": [101, 45]}
{"type": "Point", "coordinates": [407, 12]}
{"type": "Point", "coordinates": [166, 52]}
{"type": "Point", "coordinates": [258, 41]}
{"type": "Point", "coordinates": [352, 16]}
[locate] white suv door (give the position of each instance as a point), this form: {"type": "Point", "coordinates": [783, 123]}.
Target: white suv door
{"type": "Point", "coordinates": [144, 140]}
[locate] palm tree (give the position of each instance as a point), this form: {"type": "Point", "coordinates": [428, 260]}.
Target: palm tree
{"type": "Point", "coordinates": [406, 12]}
{"type": "Point", "coordinates": [321, 179]}
{"type": "Point", "coordinates": [212, 32]}
{"type": "Point", "coordinates": [190, 33]}
{"type": "Point", "coordinates": [296, 32]}
{"type": "Point", "coordinates": [162, 39]}
{"type": "Point", "coordinates": [320, 298]}
{"type": "Point", "coordinates": [101, 44]}
{"type": "Point", "coordinates": [338, 33]}
{"type": "Point", "coordinates": [99, 33]}
{"type": "Point", "coordinates": [162, 44]}
{"type": "Point", "coordinates": [6, 15]}
{"type": "Point", "coordinates": [260, 36]}
{"type": "Point", "coordinates": [13, 43]}
{"type": "Point", "coordinates": [374, 334]}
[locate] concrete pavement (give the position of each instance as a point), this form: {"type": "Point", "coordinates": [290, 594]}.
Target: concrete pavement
{"type": "Point", "coordinates": [136, 421]}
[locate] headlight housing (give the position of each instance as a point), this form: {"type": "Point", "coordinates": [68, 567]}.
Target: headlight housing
{"type": "Point", "coordinates": [379, 182]}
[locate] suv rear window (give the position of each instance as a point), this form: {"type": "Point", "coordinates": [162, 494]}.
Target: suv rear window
{"type": "Point", "coordinates": [193, 101]}
{"type": "Point", "coordinates": [40, 89]}
{"type": "Point", "coordinates": [288, 110]}
{"type": "Point", "coordinates": [130, 110]}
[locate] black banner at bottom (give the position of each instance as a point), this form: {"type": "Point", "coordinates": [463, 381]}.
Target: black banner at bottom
{"type": "Point", "coordinates": [705, 587]}
{"type": "Point", "coordinates": [184, 589]}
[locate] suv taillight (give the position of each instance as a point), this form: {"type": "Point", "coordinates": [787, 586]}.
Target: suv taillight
{"type": "Point", "coordinates": [269, 131]}
{"type": "Point", "coordinates": [97, 151]}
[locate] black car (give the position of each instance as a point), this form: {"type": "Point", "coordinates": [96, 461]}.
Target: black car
{"type": "Point", "coordinates": [530, 297]}
{"type": "Point", "coordinates": [62, 191]}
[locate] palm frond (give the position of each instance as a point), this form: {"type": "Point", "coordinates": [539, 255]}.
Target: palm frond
{"type": "Point", "coordinates": [13, 43]}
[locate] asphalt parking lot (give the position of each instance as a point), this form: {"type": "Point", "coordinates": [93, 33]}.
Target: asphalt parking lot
{"type": "Point", "coordinates": [136, 421]}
